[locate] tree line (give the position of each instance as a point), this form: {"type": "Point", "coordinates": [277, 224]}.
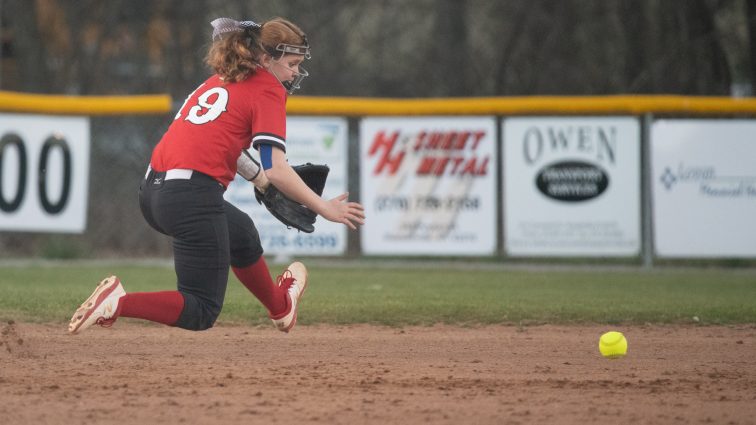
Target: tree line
{"type": "Point", "coordinates": [394, 48]}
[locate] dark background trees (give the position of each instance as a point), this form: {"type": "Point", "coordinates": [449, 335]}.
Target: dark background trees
{"type": "Point", "coordinates": [394, 48]}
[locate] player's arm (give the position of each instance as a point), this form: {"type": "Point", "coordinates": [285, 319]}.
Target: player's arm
{"type": "Point", "coordinates": [252, 171]}
{"type": "Point", "coordinates": [282, 176]}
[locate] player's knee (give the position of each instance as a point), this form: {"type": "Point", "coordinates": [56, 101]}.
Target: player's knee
{"type": "Point", "coordinates": [205, 324]}
{"type": "Point", "coordinates": [208, 317]}
{"type": "Point", "coordinates": [201, 323]}
{"type": "Point", "coordinates": [198, 315]}
{"type": "Point", "coordinates": [245, 247]}
{"type": "Point", "coordinates": [246, 257]}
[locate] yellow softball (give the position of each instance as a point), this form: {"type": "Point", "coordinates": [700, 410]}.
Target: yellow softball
{"type": "Point", "coordinates": [613, 345]}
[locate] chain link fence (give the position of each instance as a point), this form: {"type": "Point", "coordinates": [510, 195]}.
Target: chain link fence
{"type": "Point", "coordinates": [121, 145]}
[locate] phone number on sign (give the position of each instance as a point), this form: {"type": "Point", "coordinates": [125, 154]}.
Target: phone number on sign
{"type": "Point", "coordinates": [301, 242]}
{"type": "Point", "coordinates": [427, 203]}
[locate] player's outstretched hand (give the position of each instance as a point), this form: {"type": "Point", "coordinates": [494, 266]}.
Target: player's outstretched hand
{"type": "Point", "coordinates": [340, 210]}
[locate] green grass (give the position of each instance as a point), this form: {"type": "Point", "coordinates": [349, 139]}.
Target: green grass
{"type": "Point", "coordinates": [424, 295]}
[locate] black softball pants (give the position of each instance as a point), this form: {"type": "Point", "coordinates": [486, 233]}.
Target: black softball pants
{"type": "Point", "coordinates": [209, 234]}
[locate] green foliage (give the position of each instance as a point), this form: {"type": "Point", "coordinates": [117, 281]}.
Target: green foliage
{"type": "Point", "coordinates": [422, 296]}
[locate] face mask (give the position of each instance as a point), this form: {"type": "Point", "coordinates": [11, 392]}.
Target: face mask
{"type": "Point", "coordinates": [304, 50]}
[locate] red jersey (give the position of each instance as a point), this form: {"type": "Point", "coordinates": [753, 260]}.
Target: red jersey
{"type": "Point", "coordinates": [220, 119]}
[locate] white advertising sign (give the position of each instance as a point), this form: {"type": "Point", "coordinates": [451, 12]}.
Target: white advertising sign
{"type": "Point", "coordinates": [571, 186]}
{"type": "Point", "coordinates": [428, 185]}
{"type": "Point", "coordinates": [44, 173]}
{"type": "Point", "coordinates": [308, 139]}
{"type": "Point", "coordinates": [704, 188]}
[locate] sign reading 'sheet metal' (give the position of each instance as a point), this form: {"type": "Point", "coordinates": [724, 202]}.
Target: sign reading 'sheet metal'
{"type": "Point", "coordinates": [428, 185]}
{"type": "Point", "coordinates": [572, 186]}
{"type": "Point", "coordinates": [440, 152]}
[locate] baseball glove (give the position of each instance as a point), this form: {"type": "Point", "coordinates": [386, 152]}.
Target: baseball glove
{"type": "Point", "coordinates": [314, 175]}
{"type": "Point", "coordinates": [289, 212]}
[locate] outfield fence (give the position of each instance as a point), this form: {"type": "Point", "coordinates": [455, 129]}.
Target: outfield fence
{"type": "Point", "coordinates": [531, 177]}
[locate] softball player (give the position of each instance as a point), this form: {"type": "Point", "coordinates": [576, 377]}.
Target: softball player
{"type": "Point", "coordinates": [242, 104]}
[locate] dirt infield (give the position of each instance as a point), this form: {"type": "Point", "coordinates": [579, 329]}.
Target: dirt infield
{"type": "Point", "coordinates": [363, 374]}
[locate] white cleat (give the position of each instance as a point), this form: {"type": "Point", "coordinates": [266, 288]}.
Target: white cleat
{"type": "Point", "coordinates": [100, 308]}
{"type": "Point", "coordinates": [294, 281]}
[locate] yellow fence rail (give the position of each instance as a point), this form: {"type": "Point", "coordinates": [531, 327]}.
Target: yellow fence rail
{"type": "Point", "coordinates": [346, 106]}
{"type": "Point", "coordinates": [528, 105]}
{"type": "Point", "coordinates": [84, 105]}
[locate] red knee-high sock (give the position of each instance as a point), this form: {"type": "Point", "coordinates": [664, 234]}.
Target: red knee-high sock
{"type": "Point", "coordinates": [163, 307]}
{"type": "Point", "coordinates": [257, 279]}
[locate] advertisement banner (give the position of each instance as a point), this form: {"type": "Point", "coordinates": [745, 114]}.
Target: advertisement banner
{"type": "Point", "coordinates": [428, 185]}
{"type": "Point", "coordinates": [44, 173]}
{"type": "Point", "coordinates": [321, 140]}
{"type": "Point", "coordinates": [704, 188]}
{"type": "Point", "coordinates": [571, 186]}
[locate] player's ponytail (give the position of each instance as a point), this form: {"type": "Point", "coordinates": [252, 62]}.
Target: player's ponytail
{"type": "Point", "coordinates": [238, 46]}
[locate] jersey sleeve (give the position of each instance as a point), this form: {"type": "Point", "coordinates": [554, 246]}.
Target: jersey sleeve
{"type": "Point", "coordinates": [269, 118]}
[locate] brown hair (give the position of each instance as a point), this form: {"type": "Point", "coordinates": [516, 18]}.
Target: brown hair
{"type": "Point", "coordinates": [236, 55]}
